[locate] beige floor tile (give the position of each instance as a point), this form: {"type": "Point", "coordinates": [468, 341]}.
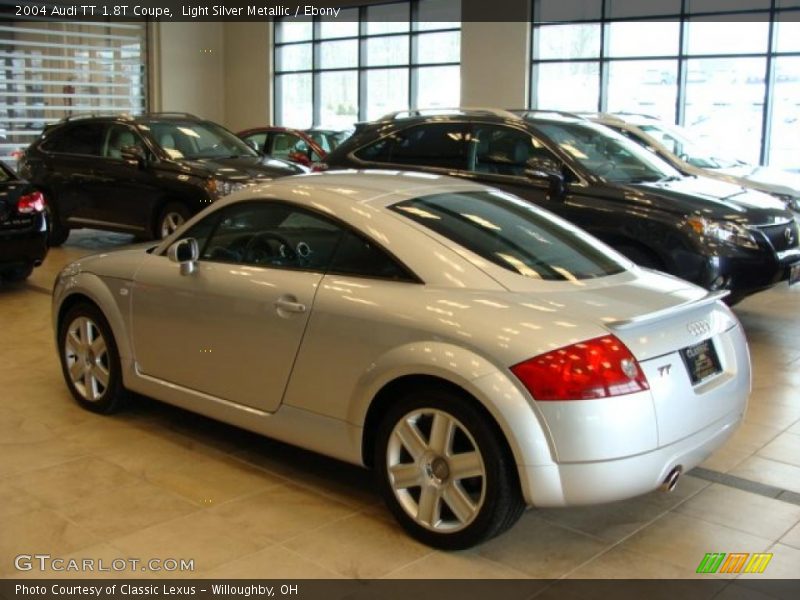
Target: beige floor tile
{"type": "Point", "coordinates": [614, 521]}
{"type": "Point", "coordinates": [14, 501]}
{"type": "Point", "coordinates": [742, 510]}
{"type": "Point", "coordinates": [207, 540]}
{"type": "Point", "coordinates": [683, 541]}
{"type": "Point", "coordinates": [39, 532]}
{"type": "Point", "coordinates": [126, 509]}
{"type": "Point", "coordinates": [208, 481]}
{"type": "Point", "coordinates": [725, 459]}
{"type": "Point", "coordinates": [457, 565]}
{"type": "Point", "coordinates": [772, 414]}
{"type": "Point", "coordinates": [276, 562]}
{"type": "Point", "coordinates": [623, 564]}
{"type": "Point", "coordinates": [771, 472]}
{"type": "Point", "coordinates": [16, 459]}
{"type": "Point", "coordinates": [362, 546]}
{"type": "Point", "coordinates": [792, 537]}
{"type": "Point", "coordinates": [143, 456]}
{"type": "Point", "coordinates": [76, 480]}
{"type": "Point", "coordinates": [282, 512]}
{"type": "Point", "coordinates": [784, 448]}
{"type": "Point", "coordinates": [541, 549]}
{"type": "Point", "coordinates": [751, 437]}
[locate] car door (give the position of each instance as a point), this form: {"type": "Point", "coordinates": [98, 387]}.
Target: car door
{"type": "Point", "coordinates": [232, 328]}
{"type": "Point", "coordinates": [126, 191]}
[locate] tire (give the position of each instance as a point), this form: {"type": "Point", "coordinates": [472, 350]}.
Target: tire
{"type": "Point", "coordinates": [17, 274]}
{"type": "Point", "coordinates": [642, 257]}
{"type": "Point", "coordinates": [416, 470]}
{"type": "Point", "coordinates": [172, 216]}
{"type": "Point", "coordinates": [59, 232]}
{"type": "Point", "coordinates": [92, 371]}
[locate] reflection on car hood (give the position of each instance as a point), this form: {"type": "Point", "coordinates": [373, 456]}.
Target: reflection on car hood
{"type": "Point", "coordinates": [774, 181]}
{"type": "Point", "coordinates": [245, 168]}
{"type": "Point", "coordinates": [717, 199]}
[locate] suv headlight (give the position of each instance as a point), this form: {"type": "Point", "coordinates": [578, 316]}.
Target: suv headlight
{"type": "Point", "coordinates": [724, 231]}
{"type": "Point", "coordinates": [791, 202]}
{"type": "Point", "coordinates": [219, 188]}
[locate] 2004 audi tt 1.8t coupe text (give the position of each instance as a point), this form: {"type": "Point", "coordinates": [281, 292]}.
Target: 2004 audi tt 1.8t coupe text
{"type": "Point", "coordinates": [480, 354]}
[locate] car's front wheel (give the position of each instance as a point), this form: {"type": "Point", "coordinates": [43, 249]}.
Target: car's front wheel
{"type": "Point", "coordinates": [443, 470]}
{"type": "Point", "coordinates": [89, 359]}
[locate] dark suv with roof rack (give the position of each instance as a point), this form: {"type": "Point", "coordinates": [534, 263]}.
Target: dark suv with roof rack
{"type": "Point", "coordinates": [143, 175]}
{"type": "Point", "coordinates": [712, 233]}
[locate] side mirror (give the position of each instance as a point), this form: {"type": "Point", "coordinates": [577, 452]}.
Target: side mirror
{"type": "Point", "coordinates": [133, 154]}
{"type": "Point", "coordinates": [185, 252]}
{"type": "Point", "coordinates": [555, 182]}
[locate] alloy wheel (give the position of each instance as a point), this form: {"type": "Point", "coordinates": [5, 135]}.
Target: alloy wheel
{"type": "Point", "coordinates": [87, 359]}
{"type": "Point", "coordinates": [170, 222]}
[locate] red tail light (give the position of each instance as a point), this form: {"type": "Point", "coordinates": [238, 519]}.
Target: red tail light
{"type": "Point", "coordinates": [599, 368]}
{"type": "Point", "coordinates": [318, 167]}
{"type": "Point", "coordinates": [30, 203]}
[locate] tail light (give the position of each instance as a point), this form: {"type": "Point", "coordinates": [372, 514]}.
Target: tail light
{"type": "Point", "coordinates": [598, 368]}
{"type": "Point", "coordinates": [319, 167]}
{"type": "Point", "coordinates": [31, 203]}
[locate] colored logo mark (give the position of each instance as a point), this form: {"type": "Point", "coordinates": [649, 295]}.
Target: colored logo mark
{"type": "Point", "coordinates": [735, 562]}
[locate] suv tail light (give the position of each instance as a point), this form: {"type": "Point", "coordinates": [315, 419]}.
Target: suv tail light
{"type": "Point", "coordinates": [598, 368]}
{"type": "Point", "coordinates": [30, 203]}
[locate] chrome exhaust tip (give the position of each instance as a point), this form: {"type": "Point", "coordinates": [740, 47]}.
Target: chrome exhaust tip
{"type": "Point", "coordinates": [672, 479]}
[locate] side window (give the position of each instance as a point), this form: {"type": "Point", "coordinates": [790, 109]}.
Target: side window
{"type": "Point", "coordinates": [444, 145]}
{"type": "Point", "coordinates": [257, 140]}
{"type": "Point", "coordinates": [357, 256]}
{"type": "Point", "coordinates": [272, 235]}
{"type": "Point", "coordinates": [283, 144]}
{"type": "Point", "coordinates": [85, 139]}
{"type": "Point", "coordinates": [507, 151]}
{"type": "Point", "coordinates": [119, 137]}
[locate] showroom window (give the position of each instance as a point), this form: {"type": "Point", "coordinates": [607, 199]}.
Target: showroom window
{"type": "Point", "coordinates": [367, 62]}
{"type": "Point", "coordinates": [701, 63]}
{"type": "Point", "coordinates": [50, 70]}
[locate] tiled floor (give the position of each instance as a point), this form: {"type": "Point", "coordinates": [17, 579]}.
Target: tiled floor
{"type": "Point", "coordinates": [157, 482]}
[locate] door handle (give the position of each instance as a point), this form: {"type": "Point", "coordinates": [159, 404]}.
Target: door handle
{"type": "Point", "coordinates": [289, 305]}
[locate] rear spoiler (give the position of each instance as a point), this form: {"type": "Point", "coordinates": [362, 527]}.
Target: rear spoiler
{"type": "Point", "coordinates": [665, 313]}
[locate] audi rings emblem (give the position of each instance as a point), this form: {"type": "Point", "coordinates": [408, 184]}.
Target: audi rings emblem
{"type": "Point", "coordinates": [698, 328]}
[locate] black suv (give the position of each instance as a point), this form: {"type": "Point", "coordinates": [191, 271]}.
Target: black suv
{"type": "Point", "coordinates": [712, 233]}
{"type": "Point", "coordinates": [143, 175]}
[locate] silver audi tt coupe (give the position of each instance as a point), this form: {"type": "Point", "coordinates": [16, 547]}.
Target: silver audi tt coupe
{"type": "Point", "coordinates": [478, 353]}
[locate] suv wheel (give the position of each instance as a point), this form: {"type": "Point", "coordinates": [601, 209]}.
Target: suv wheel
{"type": "Point", "coordinates": [58, 231]}
{"type": "Point", "coordinates": [171, 218]}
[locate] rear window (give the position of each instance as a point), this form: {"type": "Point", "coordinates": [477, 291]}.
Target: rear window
{"type": "Point", "coordinates": [510, 233]}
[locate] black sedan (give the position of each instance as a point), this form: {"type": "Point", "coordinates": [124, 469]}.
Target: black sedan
{"type": "Point", "coordinates": [23, 226]}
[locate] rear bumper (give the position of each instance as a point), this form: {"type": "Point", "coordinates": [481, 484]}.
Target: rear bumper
{"type": "Point", "coordinates": [18, 248]}
{"type": "Point", "coordinates": [611, 480]}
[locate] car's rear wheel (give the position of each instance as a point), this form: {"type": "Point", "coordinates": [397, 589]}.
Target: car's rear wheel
{"type": "Point", "coordinates": [444, 472]}
{"type": "Point", "coordinates": [172, 216]}
{"type": "Point", "coordinates": [89, 359]}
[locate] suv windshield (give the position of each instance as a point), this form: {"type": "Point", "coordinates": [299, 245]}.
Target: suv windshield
{"type": "Point", "coordinates": [606, 153]}
{"type": "Point", "coordinates": [196, 140]}
{"type": "Point", "coordinates": [693, 152]}
{"type": "Point", "coordinates": [510, 233]}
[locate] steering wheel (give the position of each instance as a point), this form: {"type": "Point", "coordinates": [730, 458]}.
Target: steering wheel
{"type": "Point", "coordinates": [260, 249]}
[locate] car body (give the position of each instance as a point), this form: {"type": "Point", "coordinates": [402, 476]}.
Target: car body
{"type": "Point", "coordinates": [675, 145]}
{"type": "Point", "coordinates": [305, 146]}
{"type": "Point", "coordinates": [23, 226]}
{"type": "Point", "coordinates": [712, 233]}
{"type": "Point", "coordinates": [143, 175]}
{"type": "Point", "coordinates": [420, 325]}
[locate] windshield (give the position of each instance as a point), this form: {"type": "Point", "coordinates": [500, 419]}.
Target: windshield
{"type": "Point", "coordinates": [195, 140]}
{"type": "Point", "coordinates": [683, 146]}
{"type": "Point", "coordinates": [510, 233]}
{"type": "Point", "coordinates": [607, 154]}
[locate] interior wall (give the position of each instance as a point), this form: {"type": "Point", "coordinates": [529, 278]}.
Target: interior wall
{"type": "Point", "coordinates": [189, 66]}
{"type": "Point", "coordinates": [248, 74]}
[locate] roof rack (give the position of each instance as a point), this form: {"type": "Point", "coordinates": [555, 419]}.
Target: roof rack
{"type": "Point", "coordinates": [536, 112]}
{"type": "Point", "coordinates": [184, 115]}
{"type": "Point", "coordinates": [421, 112]}
{"type": "Point", "coordinates": [80, 116]}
